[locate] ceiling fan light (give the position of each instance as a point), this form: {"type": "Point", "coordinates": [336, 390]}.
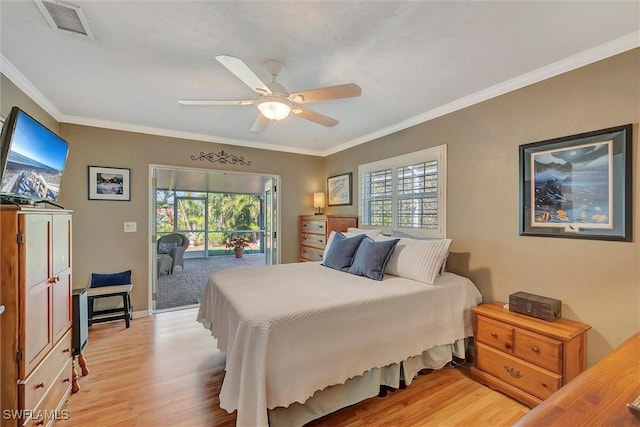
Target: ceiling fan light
{"type": "Point", "coordinates": [274, 107]}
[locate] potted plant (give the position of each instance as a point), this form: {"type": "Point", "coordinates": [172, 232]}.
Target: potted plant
{"type": "Point", "coordinates": [238, 244]}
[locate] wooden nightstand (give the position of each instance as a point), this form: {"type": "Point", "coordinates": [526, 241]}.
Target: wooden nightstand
{"type": "Point", "coordinates": [315, 230]}
{"type": "Point", "coordinates": [524, 357]}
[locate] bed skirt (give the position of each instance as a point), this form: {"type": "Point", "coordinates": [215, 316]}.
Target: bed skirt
{"type": "Point", "coordinates": [364, 386]}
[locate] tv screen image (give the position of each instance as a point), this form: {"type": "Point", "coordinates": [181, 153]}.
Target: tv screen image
{"type": "Point", "coordinates": [33, 159]}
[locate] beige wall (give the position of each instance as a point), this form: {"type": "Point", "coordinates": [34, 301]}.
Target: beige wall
{"type": "Point", "coordinates": [597, 281]}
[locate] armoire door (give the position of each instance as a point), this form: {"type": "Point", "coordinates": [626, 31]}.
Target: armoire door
{"type": "Point", "coordinates": [36, 338]}
{"type": "Point", "coordinates": [61, 286]}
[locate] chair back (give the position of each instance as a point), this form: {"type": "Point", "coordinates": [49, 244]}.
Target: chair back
{"type": "Point", "coordinates": [180, 240]}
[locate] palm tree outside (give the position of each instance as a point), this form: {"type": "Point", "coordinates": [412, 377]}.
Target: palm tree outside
{"type": "Point", "coordinates": [210, 219]}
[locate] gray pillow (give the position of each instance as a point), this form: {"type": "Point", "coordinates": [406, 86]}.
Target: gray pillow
{"type": "Point", "coordinates": [372, 257]}
{"type": "Point", "coordinates": [341, 252]}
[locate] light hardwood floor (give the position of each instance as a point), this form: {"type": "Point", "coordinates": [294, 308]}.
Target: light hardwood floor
{"type": "Point", "coordinates": [166, 371]}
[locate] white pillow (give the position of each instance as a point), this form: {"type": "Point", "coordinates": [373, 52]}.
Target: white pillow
{"type": "Point", "coordinates": [371, 232]}
{"type": "Point", "coordinates": [419, 260]}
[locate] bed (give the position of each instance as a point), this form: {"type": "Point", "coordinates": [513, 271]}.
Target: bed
{"type": "Point", "coordinates": [303, 340]}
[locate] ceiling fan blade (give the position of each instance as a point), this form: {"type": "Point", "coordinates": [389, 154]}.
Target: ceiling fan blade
{"type": "Point", "coordinates": [349, 90]}
{"type": "Point", "coordinates": [260, 124]}
{"type": "Point", "coordinates": [314, 116]}
{"type": "Point", "coordinates": [212, 102]}
{"type": "Point", "coordinates": [244, 73]}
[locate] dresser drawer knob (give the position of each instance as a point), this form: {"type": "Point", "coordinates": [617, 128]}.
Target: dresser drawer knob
{"type": "Point", "coordinates": [535, 349]}
{"type": "Point", "coordinates": [66, 380]}
{"type": "Point", "coordinates": [304, 238]}
{"type": "Point", "coordinates": [507, 346]}
{"type": "Point", "coordinates": [41, 385]}
{"type": "Point", "coordinates": [513, 372]}
{"type": "Point", "coordinates": [494, 334]}
{"type": "Point", "coordinates": [40, 422]}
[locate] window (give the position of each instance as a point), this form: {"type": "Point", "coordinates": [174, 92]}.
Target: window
{"type": "Point", "coordinates": [405, 193]}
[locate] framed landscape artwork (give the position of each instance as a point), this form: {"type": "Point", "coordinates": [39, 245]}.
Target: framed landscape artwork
{"type": "Point", "coordinates": [106, 183]}
{"type": "Point", "coordinates": [339, 190]}
{"type": "Point", "coordinates": [578, 186]}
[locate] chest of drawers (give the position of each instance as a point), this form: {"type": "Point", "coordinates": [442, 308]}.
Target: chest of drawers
{"type": "Point", "coordinates": [524, 357]}
{"type": "Point", "coordinates": [315, 230]}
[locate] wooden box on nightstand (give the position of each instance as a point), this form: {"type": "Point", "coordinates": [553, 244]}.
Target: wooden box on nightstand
{"type": "Point", "coordinates": [525, 357]}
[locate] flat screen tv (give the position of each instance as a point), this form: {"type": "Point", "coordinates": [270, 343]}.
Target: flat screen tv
{"type": "Point", "coordinates": [32, 160]}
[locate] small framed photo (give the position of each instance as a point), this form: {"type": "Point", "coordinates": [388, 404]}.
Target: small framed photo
{"type": "Point", "coordinates": [578, 186]}
{"type": "Point", "coordinates": [106, 183]}
{"type": "Point", "coordinates": [339, 190]}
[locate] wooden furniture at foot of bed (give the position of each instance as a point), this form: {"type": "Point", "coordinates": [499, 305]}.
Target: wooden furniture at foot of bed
{"type": "Point", "coordinates": [598, 396]}
{"type": "Point", "coordinates": [525, 357]}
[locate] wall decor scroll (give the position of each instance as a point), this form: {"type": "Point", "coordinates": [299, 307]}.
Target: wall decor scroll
{"type": "Point", "coordinates": [222, 157]}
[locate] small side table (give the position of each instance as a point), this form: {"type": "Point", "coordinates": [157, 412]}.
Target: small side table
{"type": "Point", "coordinates": [525, 357]}
{"type": "Point", "coordinates": [80, 334]}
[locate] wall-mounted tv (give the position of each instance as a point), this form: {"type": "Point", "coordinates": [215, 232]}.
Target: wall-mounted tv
{"type": "Point", "coordinates": [32, 160]}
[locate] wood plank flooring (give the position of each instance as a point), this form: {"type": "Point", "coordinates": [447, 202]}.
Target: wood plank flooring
{"type": "Point", "coordinates": [166, 371]}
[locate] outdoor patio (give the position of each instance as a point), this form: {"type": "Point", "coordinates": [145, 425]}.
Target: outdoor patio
{"type": "Point", "coordinates": [184, 287]}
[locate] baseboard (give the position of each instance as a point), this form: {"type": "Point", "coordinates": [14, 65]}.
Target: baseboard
{"type": "Point", "coordinates": [141, 313]}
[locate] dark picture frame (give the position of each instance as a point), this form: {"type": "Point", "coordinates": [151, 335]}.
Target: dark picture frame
{"type": "Point", "coordinates": [578, 186]}
{"type": "Point", "coordinates": [339, 190]}
{"type": "Point", "coordinates": [109, 183]}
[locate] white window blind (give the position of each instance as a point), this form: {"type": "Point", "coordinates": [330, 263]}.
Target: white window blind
{"type": "Point", "coordinates": [405, 193]}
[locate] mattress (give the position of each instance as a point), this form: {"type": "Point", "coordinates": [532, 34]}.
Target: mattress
{"type": "Point", "coordinates": [290, 330]}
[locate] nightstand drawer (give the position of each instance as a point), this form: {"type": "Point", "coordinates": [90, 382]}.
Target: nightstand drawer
{"type": "Point", "coordinates": [315, 227]}
{"type": "Point", "coordinates": [495, 334]}
{"type": "Point", "coordinates": [535, 348]}
{"type": "Point", "coordinates": [526, 376]}
{"type": "Point", "coordinates": [311, 254]}
{"type": "Point", "coordinates": [314, 240]}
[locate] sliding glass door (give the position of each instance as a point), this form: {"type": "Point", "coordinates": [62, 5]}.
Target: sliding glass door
{"type": "Point", "coordinates": [270, 219]}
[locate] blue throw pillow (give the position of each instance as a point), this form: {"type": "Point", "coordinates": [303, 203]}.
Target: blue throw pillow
{"type": "Point", "coordinates": [114, 279]}
{"type": "Point", "coordinates": [372, 257]}
{"type": "Point", "coordinates": [341, 252]}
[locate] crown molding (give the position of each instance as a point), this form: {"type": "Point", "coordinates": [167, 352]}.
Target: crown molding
{"type": "Point", "coordinates": [12, 73]}
{"type": "Point", "coordinates": [128, 127]}
{"type": "Point", "coordinates": [598, 53]}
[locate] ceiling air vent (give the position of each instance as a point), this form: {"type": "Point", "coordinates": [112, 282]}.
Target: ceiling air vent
{"type": "Point", "coordinates": [65, 17]}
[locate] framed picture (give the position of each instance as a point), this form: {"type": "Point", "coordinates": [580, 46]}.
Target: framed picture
{"type": "Point", "coordinates": [339, 190]}
{"type": "Point", "coordinates": [107, 183]}
{"type": "Point", "coordinates": [578, 186]}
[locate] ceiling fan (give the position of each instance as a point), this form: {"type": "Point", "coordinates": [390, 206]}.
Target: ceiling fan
{"type": "Point", "coordinates": [273, 101]}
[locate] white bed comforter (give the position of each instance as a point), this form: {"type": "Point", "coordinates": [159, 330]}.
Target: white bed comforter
{"type": "Point", "coordinates": [292, 329]}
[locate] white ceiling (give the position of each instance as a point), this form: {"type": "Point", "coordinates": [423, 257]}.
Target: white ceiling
{"type": "Point", "coordinates": [414, 60]}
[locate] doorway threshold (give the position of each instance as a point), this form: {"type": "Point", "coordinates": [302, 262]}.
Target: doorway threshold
{"type": "Point", "coordinates": [182, 307]}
